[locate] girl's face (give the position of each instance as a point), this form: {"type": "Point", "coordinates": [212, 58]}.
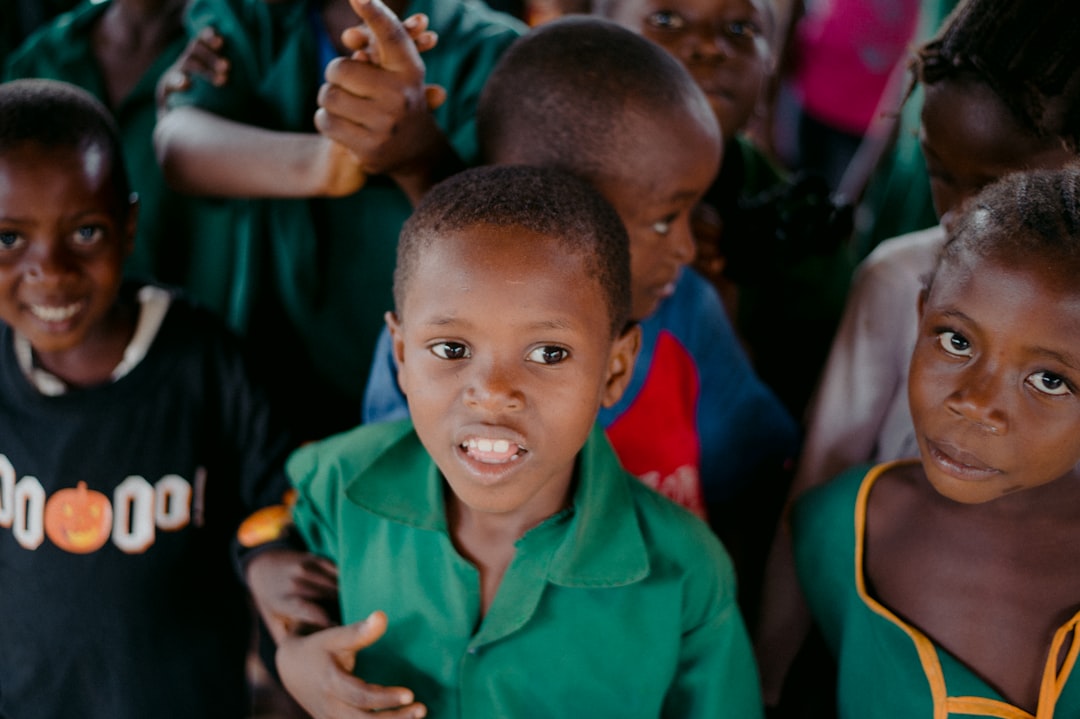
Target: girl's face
{"type": "Point", "coordinates": [970, 139]}
{"type": "Point", "coordinates": [723, 43]}
{"type": "Point", "coordinates": [995, 377]}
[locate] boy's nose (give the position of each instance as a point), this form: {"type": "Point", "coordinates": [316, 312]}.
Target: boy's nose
{"type": "Point", "coordinates": [48, 262]}
{"type": "Point", "coordinates": [493, 388]}
{"type": "Point", "coordinates": [681, 242]}
{"type": "Point", "coordinates": [708, 41]}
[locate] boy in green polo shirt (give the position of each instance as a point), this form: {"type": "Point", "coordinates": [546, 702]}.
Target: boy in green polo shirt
{"type": "Point", "coordinates": [495, 560]}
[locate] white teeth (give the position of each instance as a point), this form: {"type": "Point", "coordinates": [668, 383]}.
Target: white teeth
{"type": "Point", "coordinates": [496, 446]}
{"type": "Point", "coordinates": [484, 445]}
{"type": "Point", "coordinates": [501, 445]}
{"type": "Point", "coordinates": [55, 314]}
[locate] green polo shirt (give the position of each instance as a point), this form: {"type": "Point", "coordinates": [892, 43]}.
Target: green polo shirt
{"type": "Point", "coordinates": [621, 606]}
{"type": "Point", "coordinates": [330, 261]}
{"type": "Point", "coordinates": [181, 240]}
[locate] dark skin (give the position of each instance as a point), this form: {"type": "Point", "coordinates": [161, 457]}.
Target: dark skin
{"type": "Point", "coordinates": [1001, 589]}
{"type": "Point", "coordinates": [129, 37]}
{"type": "Point", "coordinates": [976, 546]}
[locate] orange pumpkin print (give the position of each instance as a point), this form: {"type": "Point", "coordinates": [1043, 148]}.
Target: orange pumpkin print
{"type": "Point", "coordinates": [268, 523]}
{"type": "Point", "coordinates": [78, 520]}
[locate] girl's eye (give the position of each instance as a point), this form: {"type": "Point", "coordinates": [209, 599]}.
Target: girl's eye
{"type": "Point", "coordinates": [663, 227]}
{"type": "Point", "coordinates": [9, 240]}
{"type": "Point", "coordinates": [548, 355]}
{"type": "Point", "coordinates": [1049, 383]}
{"type": "Point", "coordinates": [450, 350]}
{"type": "Point", "coordinates": [666, 20]}
{"type": "Point", "coordinates": [743, 29]}
{"type": "Point", "coordinates": [954, 343]}
{"type": "Point", "coordinates": [89, 235]}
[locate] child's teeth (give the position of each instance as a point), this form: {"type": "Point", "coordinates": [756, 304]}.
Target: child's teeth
{"type": "Point", "coordinates": [501, 445]}
{"type": "Point", "coordinates": [484, 445]}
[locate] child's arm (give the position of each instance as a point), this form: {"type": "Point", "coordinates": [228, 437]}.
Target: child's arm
{"type": "Point", "coordinates": [293, 590]}
{"type": "Point", "coordinates": [379, 107]}
{"type": "Point", "coordinates": [317, 672]}
{"type": "Point", "coordinates": [205, 154]}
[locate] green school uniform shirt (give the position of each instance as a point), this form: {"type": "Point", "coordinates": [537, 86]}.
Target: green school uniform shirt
{"type": "Point", "coordinates": [621, 606]}
{"type": "Point", "coordinates": [180, 240]}
{"type": "Point", "coordinates": [888, 669]}
{"type": "Point", "coordinates": [330, 261]}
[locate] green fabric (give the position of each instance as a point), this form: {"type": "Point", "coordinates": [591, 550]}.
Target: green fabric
{"type": "Point", "coordinates": [181, 241]}
{"type": "Point", "coordinates": [621, 606]}
{"type": "Point", "coordinates": [879, 672]}
{"type": "Point", "coordinates": [331, 261]}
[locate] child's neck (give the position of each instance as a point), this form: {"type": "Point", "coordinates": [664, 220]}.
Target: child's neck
{"type": "Point", "coordinates": [488, 541]}
{"type": "Point", "coordinates": [129, 37]}
{"type": "Point", "coordinates": [93, 361]}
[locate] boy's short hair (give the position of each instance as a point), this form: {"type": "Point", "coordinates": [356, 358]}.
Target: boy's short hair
{"type": "Point", "coordinates": [565, 94]}
{"type": "Point", "coordinates": [58, 114]}
{"type": "Point", "coordinates": [1024, 215]}
{"type": "Point", "coordinates": [546, 201]}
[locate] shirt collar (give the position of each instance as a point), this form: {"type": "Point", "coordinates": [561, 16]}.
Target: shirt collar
{"type": "Point", "coordinates": [599, 545]}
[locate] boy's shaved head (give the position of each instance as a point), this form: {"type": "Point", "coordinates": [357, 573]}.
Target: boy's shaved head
{"type": "Point", "coordinates": [544, 201]}
{"type": "Point", "coordinates": [58, 114]}
{"type": "Point", "coordinates": [572, 92]}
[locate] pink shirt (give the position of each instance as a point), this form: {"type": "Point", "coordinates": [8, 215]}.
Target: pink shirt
{"type": "Point", "coordinates": [845, 52]}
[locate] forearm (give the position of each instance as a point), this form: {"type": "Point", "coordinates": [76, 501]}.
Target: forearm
{"type": "Point", "coordinates": [205, 154]}
{"type": "Point", "coordinates": [440, 162]}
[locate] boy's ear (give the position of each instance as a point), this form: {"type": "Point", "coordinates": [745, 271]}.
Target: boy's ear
{"type": "Point", "coordinates": [621, 364]}
{"type": "Point", "coordinates": [397, 346]}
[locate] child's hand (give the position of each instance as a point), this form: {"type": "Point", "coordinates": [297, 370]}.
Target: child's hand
{"type": "Point", "coordinates": [337, 170]}
{"type": "Point", "coordinates": [291, 590]}
{"type": "Point", "coordinates": [380, 108]}
{"type": "Point", "coordinates": [317, 671]}
{"type": "Point", "coordinates": [201, 57]}
{"type": "Point", "coordinates": [365, 47]}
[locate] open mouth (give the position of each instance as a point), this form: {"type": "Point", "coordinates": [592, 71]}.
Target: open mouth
{"type": "Point", "coordinates": [55, 313]}
{"type": "Point", "coordinates": [492, 451]}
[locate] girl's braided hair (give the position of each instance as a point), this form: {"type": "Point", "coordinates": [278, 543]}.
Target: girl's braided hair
{"type": "Point", "coordinates": [1026, 51]}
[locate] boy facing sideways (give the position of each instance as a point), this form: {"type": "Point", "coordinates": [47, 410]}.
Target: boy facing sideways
{"type": "Point", "coordinates": [948, 585]}
{"type": "Point", "coordinates": [131, 444]}
{"type": "Point", "coordinates": [521, 570]}
{"type": "Point", "coordinates": [584, 95]}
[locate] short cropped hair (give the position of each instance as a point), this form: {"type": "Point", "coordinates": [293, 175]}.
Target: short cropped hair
{"type": "Point", "coordinates": [566, 94]}
{"type": "Point", "coordinates": [58, 114]}
{"type": "Point", "coordinates": [545, 201]}
{"type": "Point", "coordinates": [1024, 215]}
{"type": "Point", "coordinates": [1026, 51]}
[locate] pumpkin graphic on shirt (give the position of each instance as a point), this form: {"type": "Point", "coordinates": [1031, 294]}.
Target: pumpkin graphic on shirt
{"type": "Point", "coordinates": [78, 519]}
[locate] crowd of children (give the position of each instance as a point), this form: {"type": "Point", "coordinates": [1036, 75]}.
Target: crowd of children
{"type": "Point", "coordinates": [444, 366]}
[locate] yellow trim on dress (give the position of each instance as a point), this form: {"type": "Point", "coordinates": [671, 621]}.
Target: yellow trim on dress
{"type": "Point", "coordinates": [1053, 683]}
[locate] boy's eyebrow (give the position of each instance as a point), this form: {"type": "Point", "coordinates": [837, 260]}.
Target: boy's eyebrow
{"type": "Point", "coordinates": [1064, 358]}
{"type": "Point", "coordinates": [559, 323]}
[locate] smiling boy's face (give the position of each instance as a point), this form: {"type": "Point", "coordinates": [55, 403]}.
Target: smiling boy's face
{"type": "Point", "coordinates": [723, 43]}
{"type": "Point", "coordinates": [63, 240]}
{"type": "Point", "coordinates": [995, 378]}
{"type": "Point", "coordinates": [505, 354]}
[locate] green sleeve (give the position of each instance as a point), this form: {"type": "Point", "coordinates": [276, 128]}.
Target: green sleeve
{"type": "Point", "coordinates": [318, 490]}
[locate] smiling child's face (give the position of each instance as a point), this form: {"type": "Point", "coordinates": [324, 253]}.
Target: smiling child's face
{"type": "Point", "coordinates": [64, 235]}
{"type": "Point", "coordinates": [505, 353]}
{"type": "Point", "coordinates": [995, 377]}
{"type": "Point", "coordinates": [723, 43]}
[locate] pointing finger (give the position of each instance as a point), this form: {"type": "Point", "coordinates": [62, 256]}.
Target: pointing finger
{"type": "Point", "coordinates": [395, 47]}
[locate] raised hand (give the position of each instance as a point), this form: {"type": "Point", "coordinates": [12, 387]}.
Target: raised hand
{"type": "Point", "coordinates": [378, 105]}
{"type": "Point", "coordinates": [292, 590]}
{"type": "Point", "coordinates": [202, 57]}
{"type": "Point", "coordinates": [364, 46]}
{"type": "Point", "coordinates": [317, 672]}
